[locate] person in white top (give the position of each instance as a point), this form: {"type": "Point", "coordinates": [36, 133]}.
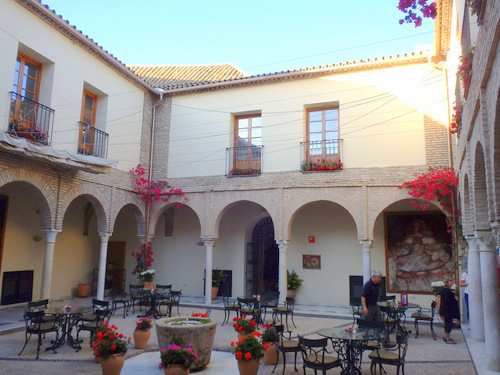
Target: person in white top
{"type": "Point", "coordinates": [464, 284]}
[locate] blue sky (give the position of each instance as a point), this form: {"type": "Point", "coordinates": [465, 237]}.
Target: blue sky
{"type": "Point", "coordinates": [258, 36]}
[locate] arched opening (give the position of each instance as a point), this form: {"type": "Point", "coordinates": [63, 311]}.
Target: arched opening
{"type": "Point", "coordinates": [262, 259]}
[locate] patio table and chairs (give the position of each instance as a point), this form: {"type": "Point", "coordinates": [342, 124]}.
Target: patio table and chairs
{"type": "Point", "coordinates": [230, 304]}
{"type": "Point", "coordinates": [37, 325]}
{"type": "Point", "coordinates": [153, 308]}
{"type": "Point", "coordinates": [350, 343]}
{"type": "Point", "coordinates": [285, 310]}
{"type": "Point", "coordinates": [67, 318]}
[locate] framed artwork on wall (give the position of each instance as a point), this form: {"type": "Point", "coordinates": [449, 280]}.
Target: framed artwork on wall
{"type": "Point", "coordinates": [417, 251]}
{"type": "Point", "coordinates": [312, 262]}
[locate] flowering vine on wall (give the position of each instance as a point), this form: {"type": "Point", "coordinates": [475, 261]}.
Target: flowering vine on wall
{"type": "Point", "coordinates": [154, 191]}
{"type": "Point", "coordinates": [465, 69]}
{"type": "Point", "coordinates": [475, 6]}
{"type": "Point", "coordinates": [456, 119]}
{"type": "Point", "coordinates": [411, 7]}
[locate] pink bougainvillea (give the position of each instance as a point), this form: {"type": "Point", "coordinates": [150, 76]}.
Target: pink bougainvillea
{"type": "Point", "coordinates": [411, 7]}
{"type": "Point", "coordinates": [151, 191]}
{"type": "Point", "coordinates": [456, 119]}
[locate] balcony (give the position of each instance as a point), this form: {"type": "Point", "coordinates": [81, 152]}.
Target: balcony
{"type": "Point", "coordinates": [92, 141]}
{"type": "Point", "coordinates": [321, 156]}
{"type": "Point", "coordinates": [244, 161]}
{"type": "Point", "coordinates": [29, 119]}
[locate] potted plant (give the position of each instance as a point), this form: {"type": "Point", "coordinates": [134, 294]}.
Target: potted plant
{"type": "Point", "coordinates": [83, 287]}
{"type": "Point", "coordinates": [293, 283]}
{"type": "Point", "coordinates": [270, 337]}
{"type": "Point", "coordinates": [244, 326]}
{"type": "Point", "coordinates": [111, 347]}
{"type": "Point", "coordinates": [142, 333]}
{"type": "Point", "coordinates": [248, 352]}
{"type": "Point", "coordinates": [147, 278]}
{"type": "Point", "coordinates": [177, 360]}
{"type": "Point", "coordinates": [218, 277]}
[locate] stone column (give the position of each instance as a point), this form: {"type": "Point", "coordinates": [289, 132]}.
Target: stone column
{"type": "Point", "coordinates": [103, 254]}
{"type": "Point", "coordinates": [367, 262]}
{"type": "Point", "coordinates": [491, 304]}
{"type": "Point", "coordinates": [48, 262]}
{"type": "Point", "coordinates": [282, 273]}
{"type": "Point", "coordinates": [476, 320]}
{"type": "Point", "coordinates": [209, 245]}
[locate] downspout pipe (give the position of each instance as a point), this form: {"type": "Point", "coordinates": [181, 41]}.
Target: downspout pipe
{"type": "Point", "coordinates": [151, 154]}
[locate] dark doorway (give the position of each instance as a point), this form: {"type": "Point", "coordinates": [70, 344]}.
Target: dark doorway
{"type": "Point", "coordinates": [262, 259]}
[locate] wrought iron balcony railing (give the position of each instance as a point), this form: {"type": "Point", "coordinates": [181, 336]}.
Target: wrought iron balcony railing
{"type": "Point", "coordinates": [244, 161]}
{"type": "Point", "coordinates": [92, 141]}
{"type": "Point", "coordinates": [29, 119]}
{"type": "Point", "coordinates": [321, 156]}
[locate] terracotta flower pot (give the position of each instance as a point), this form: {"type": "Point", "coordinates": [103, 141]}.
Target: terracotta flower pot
{"type": "Point", "coordinates": [271, 354]}
{"type": "Point", "coordinates": [242, 334]}
{"type": "Point", "coordinates": [215, 291]}
{"type": "Point", "coordinates": [148, 284]}
{"type": "Point", "coordinates": [176, 370]}
{"type": "Point", "coordinates": [141, 338]}
{"type": "Point", "coordinates": [248, 367]}
{"type": "Point", "coordinates": [113, 364]}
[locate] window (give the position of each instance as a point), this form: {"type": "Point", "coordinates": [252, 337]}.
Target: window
{"type": "Point", "coordinates": [27, 77]}
{"type": "Point", "coordinates": [248, 142]}
{"type": "Point", "coordinates": [87, 130]}
{"type": "Point", "coordinates": [323, 133]}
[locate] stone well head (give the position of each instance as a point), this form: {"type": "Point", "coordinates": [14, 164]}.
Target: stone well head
{"type": "Point", "coordinates": [201, 335]}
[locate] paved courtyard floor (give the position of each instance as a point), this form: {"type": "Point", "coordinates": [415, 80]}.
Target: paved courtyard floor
{"type": "Point", "coordinates": [425, 356]}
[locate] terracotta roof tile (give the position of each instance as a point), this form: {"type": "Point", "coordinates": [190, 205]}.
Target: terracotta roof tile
{"type": "Point", "coordinates": [168, 76]}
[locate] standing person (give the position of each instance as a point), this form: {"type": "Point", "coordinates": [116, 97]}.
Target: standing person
{"type": "Point", "coordinates": [369, 298]}
{"type": "Point", "coordinates": [448, 309]}
{"type": "Point", "coordinates": [464, 283]}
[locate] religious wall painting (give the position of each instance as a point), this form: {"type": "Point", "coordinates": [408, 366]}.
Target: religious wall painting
{"type": "Point", "coordinates": [418, 251]}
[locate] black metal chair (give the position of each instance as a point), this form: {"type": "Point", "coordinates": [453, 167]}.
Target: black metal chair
{"type": "Point", "coordinates": [41, 306]}
{"type": "Point", "coordinates": [393, 357]}
{"type": "Point", "coordinates": [174, 300]}
{"type": "Point", "coordinates": [250, 307]}
{"type": "Point", "coordinates": [37, 325]}
{"type": "Point", "coordinates": [316, 356]}
{"type": "Point", "coordinates": [120, 298]}
{"type": "Point", "coordinates": [91, 326]}
{"type": "Point", "coordinates": [357, 313]}
{"type": "Point", "coordinates": [286, 310]}
{"type": "Point", "coordinates": [162, 294]}
{"type": "Point", "coordinates": [268, 300]}
{"type": "Point", "coordinates": [137, 295]}
{"type": "Point", "coordinates": [97, 304]}
{"type": "Point", "coordinates": [285, 344]}
{"type": "Point", "coordinates": [230, 304]}
{"type": "Point", "coordinates": [420, 315]}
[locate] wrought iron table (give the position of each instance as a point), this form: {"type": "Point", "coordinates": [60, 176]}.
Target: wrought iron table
{"type": "Point", "coordinates": [349, 342]}
{"type": "Point", "coordinates": [67, 318]}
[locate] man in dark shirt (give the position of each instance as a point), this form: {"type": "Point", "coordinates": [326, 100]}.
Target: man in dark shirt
{"type": "Point", "coordinates": [369, 298]}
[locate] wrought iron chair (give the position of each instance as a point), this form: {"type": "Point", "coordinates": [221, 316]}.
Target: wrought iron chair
{"type": "Point", "coordinates": [250, 307]}
{"type": "Point", "coordinates": [420, 315]}
{"type": "Point", "coordinates": [316, 356]}
{"type": "Point", "coordinates": [174, 300]}
{"type": "Point", "coordinates": [285, 344]}
{"type": "Point", "coordinates": [393, 357]}
{"type": "Point", "coordinates": [91, 326]}
{"type": "Point", "coordinates": [117, 298]}
{"type": "Point", "coordinates": [97, 304]}
{"type": "Point", "coordinates": [286, 310]}
{"type": "Point", "coordinates": [230, 304]}
{"type": "Point", "coordinates": [41, 306]}
{"type": "Point", "coordinates": [162, 294]}
{"type": "Point", "coordinates": [357, 313]}
{"type": "Point", "coordinates": [137, 295]}
{"type": "Point", "coordinates": [37, 325]}
{"type": "Point", "coordinates": [269, 300]}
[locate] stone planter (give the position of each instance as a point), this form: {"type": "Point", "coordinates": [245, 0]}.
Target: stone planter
{"type": "Point", "coordinates": [202, 336]}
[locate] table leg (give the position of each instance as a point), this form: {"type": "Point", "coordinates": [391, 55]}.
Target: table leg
{"type": "Point", "coordinates": [351, 358]}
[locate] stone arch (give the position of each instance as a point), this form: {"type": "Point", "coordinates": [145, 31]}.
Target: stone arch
{"type": "Point", "coordinates": [348, 198]}
{"type": "Point", "coordinates": [480, 190]}
{"type": "Point", "coordinates": [466, 206]}
{"type": "Point", "coordinates": [97, 196]}
{"type": "Point", "coordinates": [40, 186]}
{"type": "Point", "coordinates": [496, 159]}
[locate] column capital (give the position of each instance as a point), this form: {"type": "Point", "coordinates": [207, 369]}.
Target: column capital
{"type": "Point", "coordinates": [486, 240]}
{"type": "Point", "coordinates": [282, 244]}
{"type": "Point", "coordinates": [366, 244]}
{"type": "Point", "coordinates": [495, 227]}
{"type": "Point", "coordinates": [209, 240]}
{"type": "Point", "coordinates": [105, 236]}
{"type": "Point", "coordinates": [50, 234]}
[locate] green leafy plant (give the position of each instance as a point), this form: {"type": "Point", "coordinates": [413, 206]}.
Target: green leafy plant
{"type": "Point", "coordinates": [249, 347]}
{"type": "Point", "coordinates": [321, 165]}
{"type": "Point", "coordinates": [218, 277]}
{"type": "Point", "coordinates": [268, 335]}
{"type": "Point", "coordinates": [244, 171]}
{"type": "Point", "coordinates": [148, 275]}
{"type": "Point", "coordinates": [144, 323]}
{"type": "Point", "coordinates": [108, 341]}
{"type": "Point", "coordinates": [293, 280]}
{"type": "Point", "coordinates": [177, 355]}
{"type": "Point", "coordinates": [244, 325]}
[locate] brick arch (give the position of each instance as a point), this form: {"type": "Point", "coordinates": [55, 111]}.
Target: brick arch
{"type": "Point", "coordinates": [466, 207]}
{"type": "Point", "coordinates": [36, 181]}
{"type": "Point", "coordinates": [482, 213]}
{"type": "Point", "coordinates": [97, 196]}
{"type": "Point", "coordinates": [123, 199]}
{"type": "Point", "coordinates": [348, 198]}
{"type": "Point", "coordinates": [221, 203]}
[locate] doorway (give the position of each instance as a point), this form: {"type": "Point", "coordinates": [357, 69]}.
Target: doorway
{"type": "Point", "coordinates": [262, 259]}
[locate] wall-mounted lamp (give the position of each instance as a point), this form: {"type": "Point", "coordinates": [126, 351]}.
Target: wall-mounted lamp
{"type": "Point", "coordinates": [37, 238]}
{"type": "Point", "coordinates": [200, 243]}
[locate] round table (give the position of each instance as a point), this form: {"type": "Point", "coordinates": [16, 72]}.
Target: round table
{"type": "Point", "coordinates": [67, 318]}
{"type": "Point", "coordinates": [350, 342]}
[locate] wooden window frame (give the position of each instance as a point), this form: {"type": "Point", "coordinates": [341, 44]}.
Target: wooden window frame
{"type": "Point", "coordinates": [250, 161]}
{"type": "Point", "coordinates": [87, 145]}
{"type": "Point", "coordinates": [332, 157]}
{"type": "Point", "coordinates": [20, 88]}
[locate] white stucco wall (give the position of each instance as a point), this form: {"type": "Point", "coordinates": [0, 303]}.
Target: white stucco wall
{"type": "Point", "coordinates": [66, 70]}
{"type": "Point", "coordinates": [381, 119]}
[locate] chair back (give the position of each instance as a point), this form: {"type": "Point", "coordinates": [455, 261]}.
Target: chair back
{"type": "Point", "coordinates": [34, 321]}
{"type": "Point", "coordinates": [402, 340]}
{"type": "Point", "coordinates": [98, 305]}
{"type": "Point", "coordinates": [38, 305]}
{"type": "Point", "coordinates": [290, 303]}
{"type": "Point", "coordinates": [164, 287]}
{"type": "Point", "coordinates": [228, 301]}
{"type": "Point", "coordinates": [135, 290]}
{"type": "Point", "coordinates": [269, 298]}
{"type": "Point", "coordinates": [370, 324]}
{"type": "Point", "coordinates": [313, 350]}
{"type": "Point", "coordinates": [433, 309]}
{"type": "Point", "coordinates": [175, 296]}
{"type": "Point", "coordinates": [247, 304]}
